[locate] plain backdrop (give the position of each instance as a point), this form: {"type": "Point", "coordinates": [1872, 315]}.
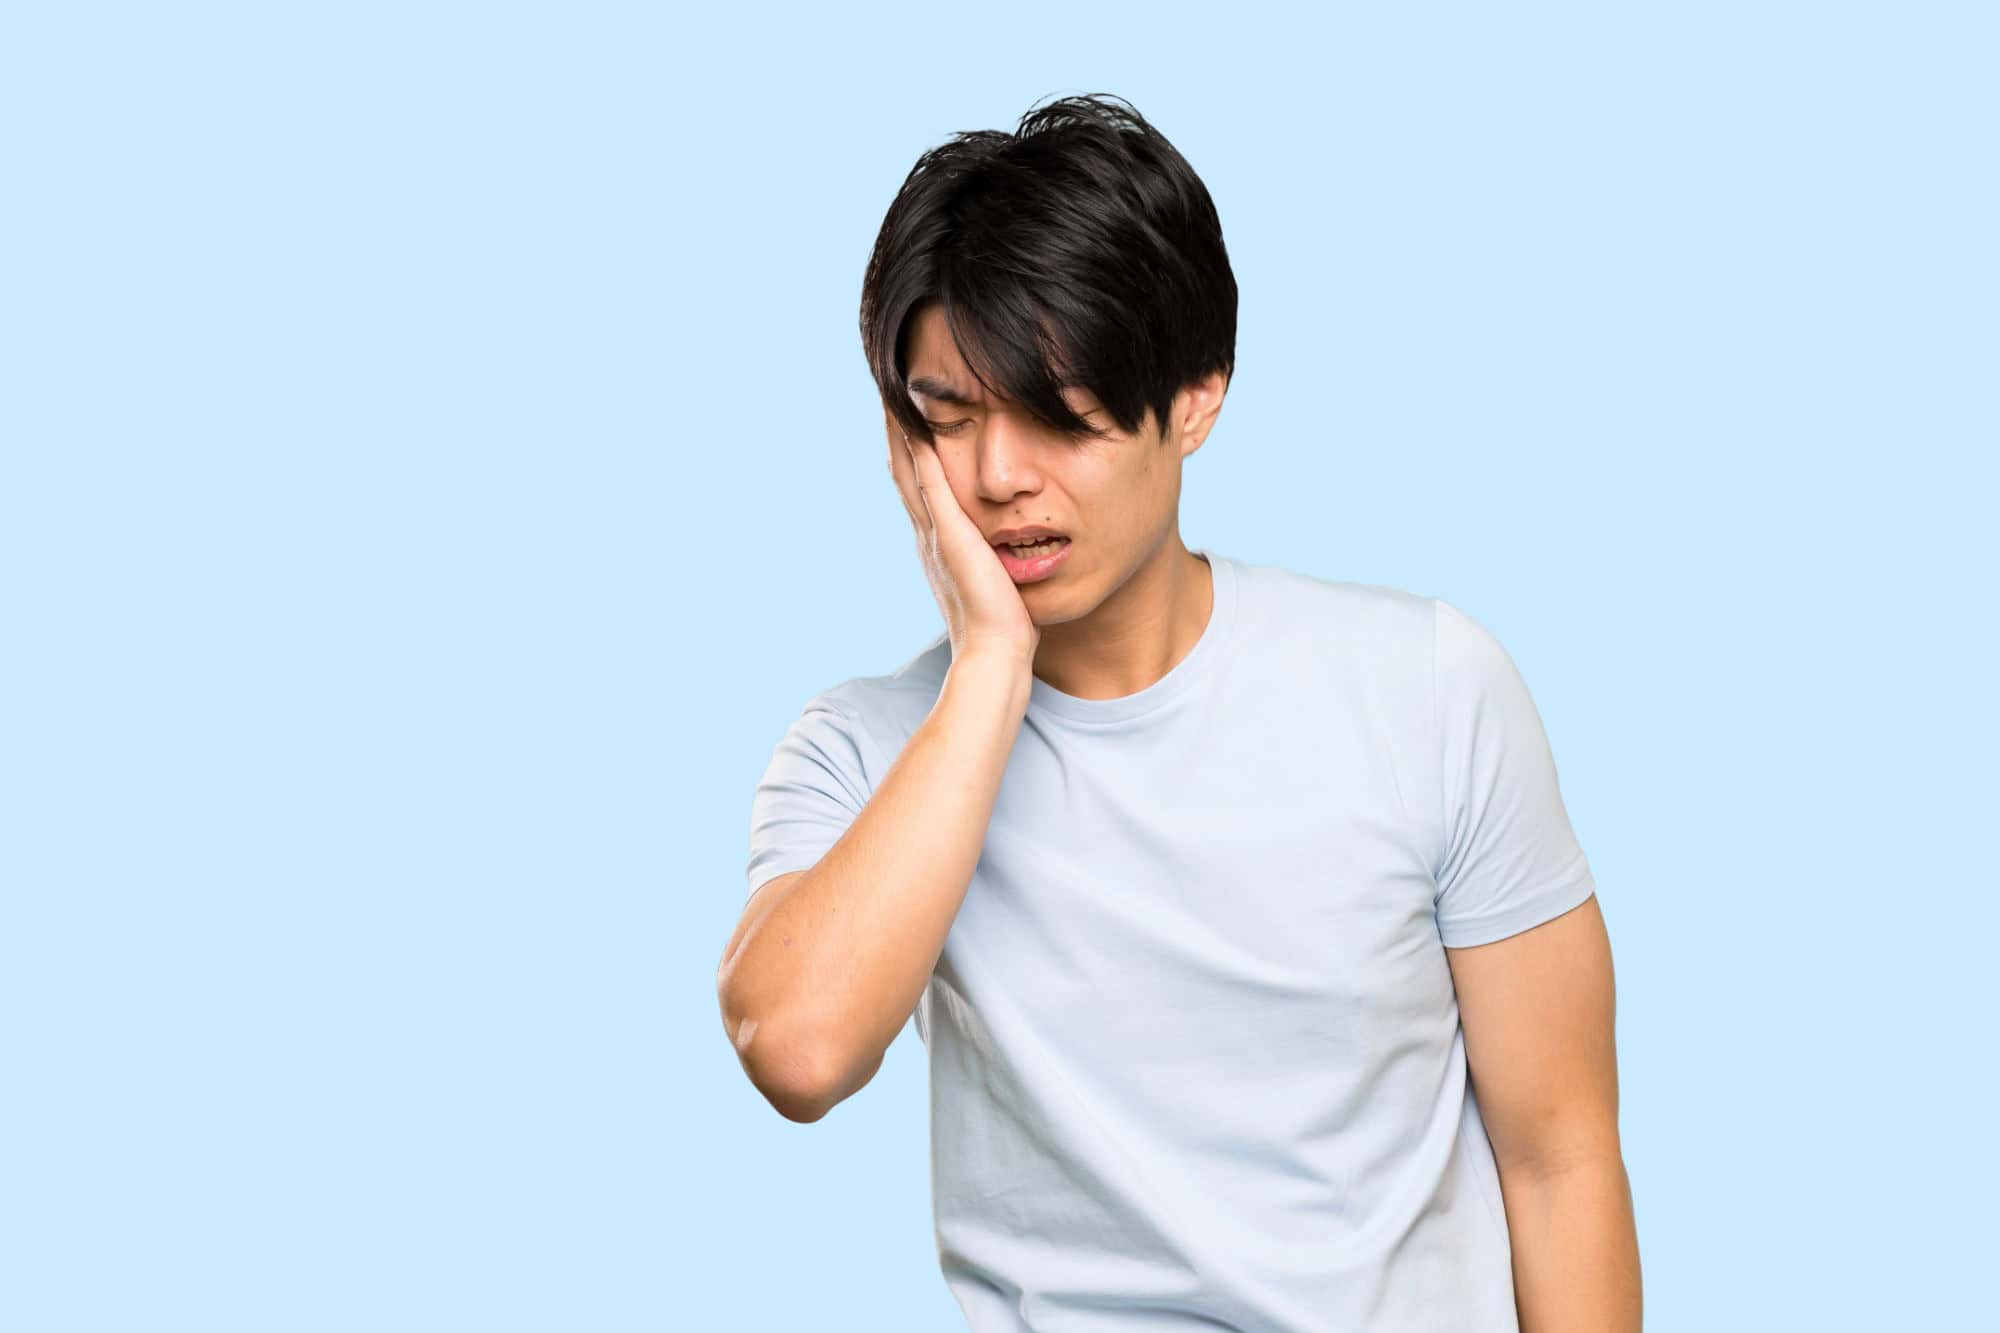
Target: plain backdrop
{"type": "Point", "coordinates": [439, 462]}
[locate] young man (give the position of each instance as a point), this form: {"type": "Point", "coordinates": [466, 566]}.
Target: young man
{"type": "Point", "coordinates": [1261, 974]}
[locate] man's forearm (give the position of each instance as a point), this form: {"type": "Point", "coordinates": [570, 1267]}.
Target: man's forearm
{"type": "Point", "coordinates": [1576, 1247]}
{"type": "Point", "coordinates": [824, 976]}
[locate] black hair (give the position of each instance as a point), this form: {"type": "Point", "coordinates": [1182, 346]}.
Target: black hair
{"type": "Point", "coordinates": [1081, 249]}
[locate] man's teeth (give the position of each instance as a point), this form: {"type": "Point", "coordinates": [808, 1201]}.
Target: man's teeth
{"type": "Point", "coordinates": [1042, 547]}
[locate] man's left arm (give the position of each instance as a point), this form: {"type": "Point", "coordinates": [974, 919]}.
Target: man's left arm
{"type": "Point", "coordinates": [1537, 1008]}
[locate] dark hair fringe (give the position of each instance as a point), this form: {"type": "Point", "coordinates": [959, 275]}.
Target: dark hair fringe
{"type": "Point", "coordinates": [1081, 249]}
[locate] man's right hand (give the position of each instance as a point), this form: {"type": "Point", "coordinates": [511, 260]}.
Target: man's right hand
{"type": "Point", "coordinates": [983, 609]}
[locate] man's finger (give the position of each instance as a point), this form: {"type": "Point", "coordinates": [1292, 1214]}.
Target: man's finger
{"type": "Point", "coordinates": [899, 442]}
{"type": "Point", "coordinates": [922, 493]}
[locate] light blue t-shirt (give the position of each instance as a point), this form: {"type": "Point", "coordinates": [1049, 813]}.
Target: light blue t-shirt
{"type": "Point", "coordinates": [1195, 1054]}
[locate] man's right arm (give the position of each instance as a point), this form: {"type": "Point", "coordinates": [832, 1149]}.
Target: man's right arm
{"type": "Point", "coordinates": [826, 964]}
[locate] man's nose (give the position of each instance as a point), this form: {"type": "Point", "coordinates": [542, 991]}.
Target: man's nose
{"type": "Point", "coordinates": [1009, 458]}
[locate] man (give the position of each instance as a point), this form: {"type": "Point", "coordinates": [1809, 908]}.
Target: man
{"type": "Point", "coordinates": [1261, 974]}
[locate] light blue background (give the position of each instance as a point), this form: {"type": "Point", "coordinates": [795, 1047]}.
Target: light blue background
{"type": "Point", "coordinates": [440, 461]}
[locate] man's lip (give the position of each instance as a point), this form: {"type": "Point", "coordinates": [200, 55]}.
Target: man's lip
{"type": "Point", "coordinates": [1007, 535]}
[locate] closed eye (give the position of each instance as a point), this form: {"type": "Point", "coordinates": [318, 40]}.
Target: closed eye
{"type": "Point", "coordinates": [958, 427]}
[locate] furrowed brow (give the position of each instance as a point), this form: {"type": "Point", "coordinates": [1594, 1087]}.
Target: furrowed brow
{"type": "Point", "coordinates": [940, 391]}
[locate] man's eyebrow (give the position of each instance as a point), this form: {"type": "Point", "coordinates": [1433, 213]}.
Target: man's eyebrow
{"type": "Point", "coordinates": [941, 391]}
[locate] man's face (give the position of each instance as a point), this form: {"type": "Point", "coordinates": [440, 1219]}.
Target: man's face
{"type": "Point", "coordinates": [1116, 498]}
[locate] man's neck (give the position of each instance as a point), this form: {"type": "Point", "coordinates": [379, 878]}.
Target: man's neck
{"type": "Point", "coordinates": [1137, 635]}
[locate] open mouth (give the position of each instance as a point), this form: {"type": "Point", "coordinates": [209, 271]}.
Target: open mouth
{"type": "Point", "coordinates": [1029, 550]}
{"type": "Point", "coordinates": [1029, 562]}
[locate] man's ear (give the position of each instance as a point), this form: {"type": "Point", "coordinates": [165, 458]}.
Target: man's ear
{"type": "Point", "coordinates": [1196, 407]}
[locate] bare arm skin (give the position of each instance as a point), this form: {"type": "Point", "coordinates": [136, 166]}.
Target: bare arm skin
{"type": "Point", "coordinates": [1538, 1013]}
{"type": "Point", "coordinates": [827, 963]}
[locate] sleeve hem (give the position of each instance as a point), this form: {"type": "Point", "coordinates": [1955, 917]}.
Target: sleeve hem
{"type": "Point", "coordinates": [1546, 907]}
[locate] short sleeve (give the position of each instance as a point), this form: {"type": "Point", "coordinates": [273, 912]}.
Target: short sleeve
{"type": "Point", "coordinates": [814, 786]}
{"type": "Point", "coordinates": [1510, 858]}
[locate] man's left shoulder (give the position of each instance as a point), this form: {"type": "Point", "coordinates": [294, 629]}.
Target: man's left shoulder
{"type": "Point", "coordinates": [1370, 612]}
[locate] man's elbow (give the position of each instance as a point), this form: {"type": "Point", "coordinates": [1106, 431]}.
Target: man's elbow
{"type": "Point", "coordinates": [797, 1077]}
{"type": "Point", "coordinates": [798, 1110]}
{"type": "Point", "coordinates": [811, 1099]}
